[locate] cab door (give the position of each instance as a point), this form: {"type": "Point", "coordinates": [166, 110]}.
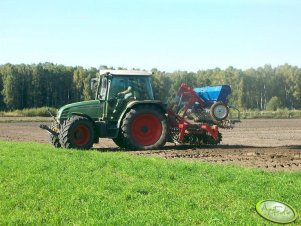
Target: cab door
{"type": "Point", "coordinates": [102, 96]}
{"type": "Point", "coordinates": [115, 102]}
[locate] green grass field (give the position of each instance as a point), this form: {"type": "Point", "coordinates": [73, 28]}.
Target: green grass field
{"type": "Point", "coordinates": [43, 185]}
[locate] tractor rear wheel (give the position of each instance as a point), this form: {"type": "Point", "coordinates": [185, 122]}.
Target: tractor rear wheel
{"type": "Point", "coordinates": [145, 128]}
{"type": "Point", "coordinates": [119, 141]}
{"type": "Point", "coordinates": [77, 132]}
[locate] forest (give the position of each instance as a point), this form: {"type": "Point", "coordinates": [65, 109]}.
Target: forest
{"type": "Point", "coordinates": [47, 84]}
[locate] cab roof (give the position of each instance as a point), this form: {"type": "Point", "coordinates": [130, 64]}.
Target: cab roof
{"type": "Point", "coordinates": [125, 72]}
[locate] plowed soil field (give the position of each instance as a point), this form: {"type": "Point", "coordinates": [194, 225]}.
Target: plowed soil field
{"type": "Point", "coordinates": [267, 144]}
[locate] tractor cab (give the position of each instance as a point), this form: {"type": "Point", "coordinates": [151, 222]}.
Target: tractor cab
{"type": "Point", "coordinates": [117, 88]}
{"type": "Point", "coordinates": [114, 82]}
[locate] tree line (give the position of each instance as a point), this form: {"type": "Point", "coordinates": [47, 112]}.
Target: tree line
{"type": "Point", "coordinates": [47, 84]}
{"type": "Point", "coordinates": [264, 88]}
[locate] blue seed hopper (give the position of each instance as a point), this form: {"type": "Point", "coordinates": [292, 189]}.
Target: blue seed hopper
{"type": "Point", "coordinates": [211, 94]}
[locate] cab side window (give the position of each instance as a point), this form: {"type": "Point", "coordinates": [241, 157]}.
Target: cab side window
{"type": "Point", "coordinates": [142, 88]}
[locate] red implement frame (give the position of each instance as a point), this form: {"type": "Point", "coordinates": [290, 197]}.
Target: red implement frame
{"type": "Point", "coordinates": [191, 98]}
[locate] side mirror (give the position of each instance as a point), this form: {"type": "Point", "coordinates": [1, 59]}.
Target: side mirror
{"type": "Point", "coordinates": [93, 81]}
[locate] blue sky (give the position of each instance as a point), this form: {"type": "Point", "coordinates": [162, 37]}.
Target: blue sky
{"type": "Point", "coordinates": [168, 34]}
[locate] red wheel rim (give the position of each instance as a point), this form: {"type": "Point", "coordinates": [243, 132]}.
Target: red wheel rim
{"type": "Point", "coordinates": [146, 129]}
{"type": "Point", "coordinates": [81, 135]}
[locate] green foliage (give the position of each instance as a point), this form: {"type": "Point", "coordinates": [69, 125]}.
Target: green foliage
{"type": "Point", "coordinates": [161, 85]}
{"type": "Point", "coordinates": [81, 81]}
{"type": "Point", "coordinates": [274, 103]}
{"type": "Point", "coordinates": [32, 112]}
{"type": "Point", "coordinates": [31, 86]}
{"type": "Point", "coordinates": [8, 91]}
{"type": "Point", "coordinates": [281, 113]}
{"type": "Point", "coordinates": [43, 185]}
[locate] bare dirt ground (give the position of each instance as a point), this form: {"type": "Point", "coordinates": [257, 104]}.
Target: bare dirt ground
{"type": "Point", "coordinates": [267, 144]}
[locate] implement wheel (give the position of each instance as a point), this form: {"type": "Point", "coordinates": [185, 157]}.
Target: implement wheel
{"type": "Point", "coordinates": [77, 132]}
{"type": "Point", "coordinates": [219, 111]}
{"type": "Point", "coordinates": [144, 128]}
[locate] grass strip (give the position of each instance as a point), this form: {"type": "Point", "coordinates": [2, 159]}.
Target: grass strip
{"type": "Point", "coordinates": [43, 185]}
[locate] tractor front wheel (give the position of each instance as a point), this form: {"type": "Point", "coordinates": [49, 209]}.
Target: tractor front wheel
{"type": "Point", "coordinates": [145, 128]}
{"type": "Point", "coordinates": [54, 140]}
{"type": "Point", "coordinates": [77, 132]}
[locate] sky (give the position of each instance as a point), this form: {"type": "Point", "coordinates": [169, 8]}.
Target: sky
{"type": "Point", "coordinates": [165, 34]}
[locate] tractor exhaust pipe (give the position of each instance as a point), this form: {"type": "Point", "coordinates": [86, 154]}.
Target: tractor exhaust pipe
{"type": "Point", "coordinates": [45, 127]}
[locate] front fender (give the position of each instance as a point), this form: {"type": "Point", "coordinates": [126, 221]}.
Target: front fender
{"type": "Point", "coordinates": [83, 115]}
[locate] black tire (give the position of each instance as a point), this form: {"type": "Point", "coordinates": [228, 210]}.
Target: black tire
{"type": "Point", "coordinates": [144, 128]}
{"type": "Point", "coordinates": [119, 141]}
{"type": "Point", "coordinates": [77, 132]}
{"type": "Point", "coordinates": [215, 107]}
{"type": "Point", "coordinates": [54, 140]}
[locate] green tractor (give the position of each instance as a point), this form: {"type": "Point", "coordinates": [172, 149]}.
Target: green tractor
{"type": "Point", "coordinates": [124, 110]}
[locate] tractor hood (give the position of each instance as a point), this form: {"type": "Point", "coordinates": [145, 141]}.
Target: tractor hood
{"type": "Point", "coordinates": [90, 108]}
